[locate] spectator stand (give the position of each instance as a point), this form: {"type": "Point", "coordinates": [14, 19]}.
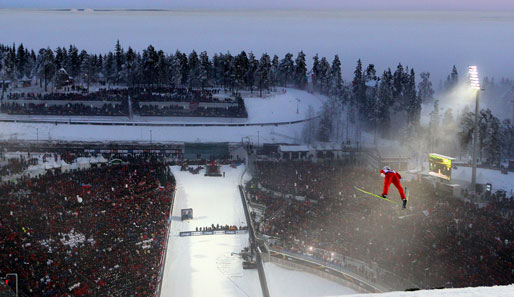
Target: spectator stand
{"type": "Point", "coordinates": [115, 215]}
{"type": "Point", "coordinates": [442, 232]}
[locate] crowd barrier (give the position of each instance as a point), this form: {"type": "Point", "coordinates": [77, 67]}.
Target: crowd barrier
{"type": "Point", "coordinates": [324, 271]}
{"type": "Point", "coordinates": [215, 232]}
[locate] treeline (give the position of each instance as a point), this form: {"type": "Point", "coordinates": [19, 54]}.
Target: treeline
{"type": "Point", "coordinates": [155, 67]}
{"type": "Point", "coordinates": [368, 93]}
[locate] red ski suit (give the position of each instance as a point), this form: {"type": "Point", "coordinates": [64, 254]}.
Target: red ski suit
{"type": "Point", "coordinates": [394, 177]}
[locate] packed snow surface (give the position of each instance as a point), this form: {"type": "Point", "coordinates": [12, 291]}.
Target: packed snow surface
{"type": "Point", "coordinates": [499, 180]}
{"type": "Point", "coordinates": [283, 282]}
{"type": "Point", "coordinates": [496, 291]}
{"type": "Point", "coordinates": [203, 265]}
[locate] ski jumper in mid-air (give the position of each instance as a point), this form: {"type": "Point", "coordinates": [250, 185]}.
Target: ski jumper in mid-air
{"type": "Point", "coordinates": [391, 176]}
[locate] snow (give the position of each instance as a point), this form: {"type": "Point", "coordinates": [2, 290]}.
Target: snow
{"type": "Point", "coordinates": [416, 38]}
{"type": "Point", "coordinates": [496, 291]}
{"type": "Point", "coordinates": [278, 108]}
{"type": "Point", "coordinates": [203, 265]}
{"type": "Point", "coordinates": [495, 177]}
{"type": "Point", "coordinates": [284, 282]}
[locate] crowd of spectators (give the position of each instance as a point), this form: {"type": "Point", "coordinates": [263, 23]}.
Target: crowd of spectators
{"type": "Point", "coordinates": [100, 95]}
{"type": "Point", "coordinates": [439, 241]}
{"type": "Point", "coordinates": [97, 232]}
{"type": "Point", "coordinates": [219, 227]}
{"type": "Point", "coordinates": [10, 166]}
{"type": "Point", "coordinates": [175, 94]}
{"type": "Point", "coordinates": [193, 111]}
{"type": "Point", "coordinates": [116, 102]}
{"type": "Point", "coordinates": [76, 109]}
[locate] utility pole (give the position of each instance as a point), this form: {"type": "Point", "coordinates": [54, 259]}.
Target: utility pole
{"type": "Point", "coordinates": [475, 147]}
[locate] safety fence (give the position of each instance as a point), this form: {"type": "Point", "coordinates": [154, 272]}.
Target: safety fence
{"type": "Point", "coordinates": [165, 249]}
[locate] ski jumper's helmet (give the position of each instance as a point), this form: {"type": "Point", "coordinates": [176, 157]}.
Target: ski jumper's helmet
{"type": "Point", "coordinates": [386, 168]}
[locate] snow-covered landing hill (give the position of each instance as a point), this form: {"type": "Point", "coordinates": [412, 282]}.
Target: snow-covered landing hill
{"type": "Point", "coordinates": [496, 291]}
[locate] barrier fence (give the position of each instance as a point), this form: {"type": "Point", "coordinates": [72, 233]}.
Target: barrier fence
{"type": "Point", "coordinates": [165, 249]}
{"type": "Point", "coordinates": [214, 232]}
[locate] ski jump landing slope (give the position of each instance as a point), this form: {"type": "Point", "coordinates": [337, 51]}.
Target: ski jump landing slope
{"type": "Point", "coordinates": [496, 291]}
{"type": "Point", "coordinates": [202, 265]}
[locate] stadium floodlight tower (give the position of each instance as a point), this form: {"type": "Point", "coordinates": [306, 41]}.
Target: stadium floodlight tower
{"type": "Point", "coordinates": [475, 85]}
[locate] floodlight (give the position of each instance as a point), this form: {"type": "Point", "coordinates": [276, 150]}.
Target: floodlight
{"type": "Point", "coordinates": [473, 78]}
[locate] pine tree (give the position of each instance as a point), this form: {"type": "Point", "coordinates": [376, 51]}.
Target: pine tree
{"type": "Point", "coordinates": [370, 92]}
{"type": "Point", "coordinates": [250, 74]}
{"type": "Point", "coordinates": [86, 68]}
{"type": "Point", "coordinates": [315, 72]}
{"type": "Point", "coordinates": [493, 141]}
{"type": "Point", "coordinates": [452, 80]}
{"type": "Point", "coordinates": [176, 74]}
{"type": "Point", "coordinates": [46, 69]}
{"type": "Point", "coordinates": [398, 83]}
{"type": "Point", "coordinates": [274, 71]}
{"type": "Point", "coordinates": [216, 73]}
{"type": "Point", "coordinates": [325, 124]}
{"type": "Point", "coordinates": [385, 95]}
{"type": "Point", "coordinates": [359, 88]}
{"type": "Point", "coordinates": [61, 58]}
{"type": "Point", "coordinates": [300, 71]}
{"type": "Point", "coordinates": [228, 71]}
{"type": "Point", "coordinates": [29, 66]}
{"type": "Point", "coordinates": [108, 68]}
{"type": "Point", "coordinates": [21, 61]}
{"type": "Point", "coordinates": [240, 65]}
{"type": "Point", "coordinates": [9, 64]}
{"type": "Point", "coordinates": [100, 69]}
{"type": "Point", "coordinates": [425, 91]}
{"type": "Point", "coordinates": [263, 72]}
{"type": "Point", "coordinates": [129, 68]}
{"type": "Point", "coordinates": [184, 67]}
{"type": "Point", "coordinates": [119, 58]}
{"type": "Point", "coordinates": [194, 69]}
{"type": "Point", "coordinates": [162, 68]}
{"type": "Point", "coordinates": [205, 69]}
{"type": "Point", "coordinates": [73, 62]}
{"type": "Point", "coordinates": [336, 79]}
{"type": "Point", "coordinates": [483, 119]}
{"type": "Point", "coordinates": [412, 99]}
{"type": "Point", "coordinates": [507, 136]}
{"type": "Point", "coordinates": [433, 126]}
{"type": "Point", "coordinates": [286, 68]}
{"type": "Point", "coordinates": [466, 127]}
{"type": "Point", "coordinates": [323, 75]}
{"type": "Point", "coordinates": [3, 75]}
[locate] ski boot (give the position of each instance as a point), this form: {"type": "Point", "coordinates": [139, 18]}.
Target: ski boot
{"type": "Point", "coordinates": [404, 205]}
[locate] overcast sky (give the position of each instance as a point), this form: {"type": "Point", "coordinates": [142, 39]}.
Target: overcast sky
{"type": "Point", "coordinates": [268, 4]}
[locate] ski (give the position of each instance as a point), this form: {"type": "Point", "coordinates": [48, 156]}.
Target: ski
{"type": "Point", "coordinates": [378, 196]}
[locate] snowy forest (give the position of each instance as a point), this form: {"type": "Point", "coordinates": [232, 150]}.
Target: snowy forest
{"type": "Point", "coordinates": [385, 105]}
